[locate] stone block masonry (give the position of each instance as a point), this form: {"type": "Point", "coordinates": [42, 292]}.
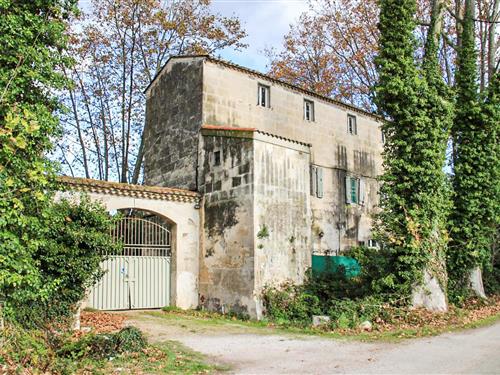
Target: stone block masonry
{"type": "Point", "coordinates": [173, 120]}
{"type": "Point", "coordinates": [227, 260]}
{"type": "Point", "coordinates": [277, 185]}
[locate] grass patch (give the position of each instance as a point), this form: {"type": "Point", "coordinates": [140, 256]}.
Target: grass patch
{"type": "Point", "coordinates": [403, 325]}
{"type": "Point", "coordinates": [169, 357]}
{"type": "Point", "coordinates": [126, 351]}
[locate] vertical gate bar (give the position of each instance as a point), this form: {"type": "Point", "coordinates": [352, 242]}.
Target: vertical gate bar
{"type": "Point", "coordinates": [145, 258]}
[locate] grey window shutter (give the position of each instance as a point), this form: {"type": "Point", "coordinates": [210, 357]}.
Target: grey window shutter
{"type": "Point", "coordinates": [362, 189]}
{"type": "Point", "coordinates": [348, 189]}
{"type": "Point", "coordinates": [319, 182]}
{"type": "Point", "coordinates": [313, 180]}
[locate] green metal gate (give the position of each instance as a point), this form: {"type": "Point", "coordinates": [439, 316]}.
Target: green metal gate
{"type": "Point", "coordinates": [140, 277]}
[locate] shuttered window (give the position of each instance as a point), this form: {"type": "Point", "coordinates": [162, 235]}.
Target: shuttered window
{"type": "Point", "coordinates": [319, 182]}
{"type": "Point", "coordinates": [316, 181]}
{"type": "Point", "coordinates": [313, 180]}
{"type": "Point", "coordinates": [354, 190]}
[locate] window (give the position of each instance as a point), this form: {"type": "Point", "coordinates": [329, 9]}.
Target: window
{"type": "Point", "coordinates": [216, 158]}
{"type": "Point", "coordinates": [354, 190]}
{"type": "Point", "coordinates": [264, 97]}
{"type": "Point", "coordinates": [308, 110]}
{"type": "Point", "coordinates": [374, 244]}
{"type": "Point", "coordinates": [383, 137]}
{"type": "Point", "coordinates": [316, 181]}
{"type": "Point", "coordinates": [352, 126]}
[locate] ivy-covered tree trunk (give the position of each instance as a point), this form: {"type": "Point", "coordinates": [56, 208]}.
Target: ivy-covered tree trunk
{"type": "Point", "coordinates": [413, 192]}
{"type": "Point", "coordinates": [474, 219]}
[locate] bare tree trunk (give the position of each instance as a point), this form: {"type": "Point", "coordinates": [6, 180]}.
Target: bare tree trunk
{"type": "Point", "coordinates": [95, 136]}
{"type": "Point", "coordinates": [124, 167]}
{"type": "Point", "coordinates": [483, 36]}
{"type": "Point", "coordinates": [492, 47]}
{"type": "Point", "coordinates": [79, 132]}
{"type": "Point", "coordinates": [459, 12]}
{"type": "Point", "coordinates": [130, 91]}
{"type": "Point", "coordinates": [437, 12]}
{"type": "Point", "coordinates": [139, 159]}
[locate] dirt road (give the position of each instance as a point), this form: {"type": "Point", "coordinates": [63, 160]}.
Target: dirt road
{"type": "Point", "coordinates": [248, 351]}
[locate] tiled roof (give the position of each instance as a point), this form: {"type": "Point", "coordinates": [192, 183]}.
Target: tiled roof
{"type": "Point", "coordinates": [129, 190]}
{"type": "Point", "coordinates": [256, 73]}
{"type": "Point", "coordinates": [253, 130]}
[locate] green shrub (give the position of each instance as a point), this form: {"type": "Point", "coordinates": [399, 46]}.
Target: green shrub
{"type": "Point", "coordinates": [39, 351]}
{"type": "Point", "coordinates": [130, 339]}
{"type": "Point", "coordinates": [333, 285]}
{"type": "Point", "coordinates": [377, 270]}
{"type": "Point", "coordinates": [288, 303]}
{"type": "Point", "coordinates": [348, 301]}
{"type": "Point", "coordinates": [238, 314]}
{"type": "Point", "coordinates": [73, 240]}
{"type": "Point", "coordinates": [104, 345]}
{"type": "Point", "coordinates": [349, 313]}
{"type": "Point", "coordinates": [21, 350]}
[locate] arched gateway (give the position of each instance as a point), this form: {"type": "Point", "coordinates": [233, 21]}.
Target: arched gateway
{"type": "Point", "coordinates": [160, 232]}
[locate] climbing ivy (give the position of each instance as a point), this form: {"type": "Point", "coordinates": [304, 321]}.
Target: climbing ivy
{"type": "Point", "coordinates": [475, 216]}
{"type": "Point", "coordinates": [413, 191]}
{"type": "Point", "coordinates": [49, 251]}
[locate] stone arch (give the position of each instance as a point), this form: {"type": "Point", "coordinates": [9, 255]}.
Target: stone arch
{"type": "Point", "coordinates": [179, 208]}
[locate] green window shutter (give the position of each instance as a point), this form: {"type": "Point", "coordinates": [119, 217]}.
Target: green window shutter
{"type": "Point", "coordinates": [354, 190]}
{"type": "Point", "coordinates": [319, 182]}
{"type": "Point", "coordinates": [348, 190]}
{"type": "Point", "coordinates": [313, 179]}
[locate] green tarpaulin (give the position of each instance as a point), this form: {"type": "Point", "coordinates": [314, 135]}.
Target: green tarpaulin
{"type": "Point", "coordinates": [325, 263]}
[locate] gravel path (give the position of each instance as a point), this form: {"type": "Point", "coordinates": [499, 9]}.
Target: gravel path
{"type": "Point", "coordinates": [246, 352]}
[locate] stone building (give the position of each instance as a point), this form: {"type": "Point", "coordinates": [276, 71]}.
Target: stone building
{"type": "Point", "coordinates": [284, 173]}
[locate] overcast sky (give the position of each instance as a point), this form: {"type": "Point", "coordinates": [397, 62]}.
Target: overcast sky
{"type": "Point", "coordinates": [266, 22]}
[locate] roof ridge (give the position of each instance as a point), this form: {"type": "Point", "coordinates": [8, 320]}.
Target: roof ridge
{"type": "Point", "coordinates": [268, 77]}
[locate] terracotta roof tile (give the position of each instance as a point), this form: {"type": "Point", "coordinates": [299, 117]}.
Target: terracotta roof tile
{"type": "Point", "coordinates": [121, 189]}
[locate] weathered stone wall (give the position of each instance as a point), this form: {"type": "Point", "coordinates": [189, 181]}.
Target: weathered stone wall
{"type": "Point", "coordinates": [336, 224]}
{"type": "Point", "coordinates": [282, 213]}
{"type": "Point", "coordinates": [227, 258]}
{"type": "Point", "coordinates": [230, 99]}
{"type": "Point", "coordinates": [173, 120]}
{"type": "Point", "coordinates": [259, 179]}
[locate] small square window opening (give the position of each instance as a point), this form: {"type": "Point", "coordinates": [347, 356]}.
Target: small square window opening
{"type": "Point", "coordinates": [308, 110]}
{"type": "Point", "coordinates": [264, 96]}
{"type": "Point", "coordinates": [352, 126]}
